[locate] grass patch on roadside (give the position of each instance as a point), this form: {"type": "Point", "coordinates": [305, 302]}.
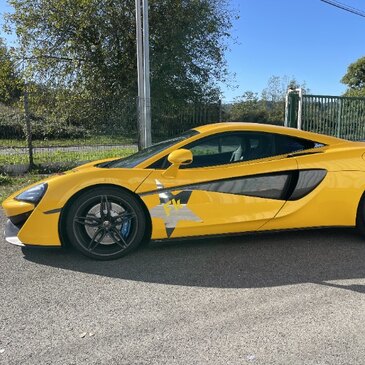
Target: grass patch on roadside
{"type": "Point", "coordinates": [89, 141]}
{"type": "Point", "coordinates": [66, 156]}
{"type": "Point", "coordinates": [10, 184]}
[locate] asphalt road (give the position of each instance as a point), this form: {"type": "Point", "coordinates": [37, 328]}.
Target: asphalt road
{"type": "Point", "coordinates": [278, 298]}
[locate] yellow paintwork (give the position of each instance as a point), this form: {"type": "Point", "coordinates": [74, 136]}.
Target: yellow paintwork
{"type": "Point", "coordinates": [41, 228]}
{"type": "Point", "coordinates": [220, 212]}
{"type": "Point", "coordinates": [14, 207]}
{"type": "Point", "coordinates": [333, 202]}
{"type": "Point", "coordinates": [245, 214]}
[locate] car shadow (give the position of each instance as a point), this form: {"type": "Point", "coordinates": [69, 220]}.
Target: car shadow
{"type": "Point", "coordinates": [246, 261]}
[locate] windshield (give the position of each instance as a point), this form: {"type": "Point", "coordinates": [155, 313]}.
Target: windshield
{"type": "Point", "coordinates": [145, 154]}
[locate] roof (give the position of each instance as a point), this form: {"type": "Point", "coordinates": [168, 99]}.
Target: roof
{"type": "Point", "coordinates": [268, 128]}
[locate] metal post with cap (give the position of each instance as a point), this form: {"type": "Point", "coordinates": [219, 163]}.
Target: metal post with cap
{"type": "Point", "coordinates": [143, 72]}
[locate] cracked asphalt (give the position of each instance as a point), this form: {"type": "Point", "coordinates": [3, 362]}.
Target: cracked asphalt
{"type": "Point", "coordinates": [275, 298]}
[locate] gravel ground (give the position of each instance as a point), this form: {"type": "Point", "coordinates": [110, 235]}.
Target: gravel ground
{"type": "Point", "coordinates": [278, 298]}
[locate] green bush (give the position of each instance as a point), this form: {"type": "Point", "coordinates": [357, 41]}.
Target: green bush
{"type": "Point", "coordinates": [12, 126]}
{"type": "Point", "coordinates": [5, 180]}
{"type": "Point", "coordinates": [42, 129]}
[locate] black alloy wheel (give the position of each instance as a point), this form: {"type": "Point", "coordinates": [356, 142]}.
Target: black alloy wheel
{"type": "Point", "coordinates": [105, 223]}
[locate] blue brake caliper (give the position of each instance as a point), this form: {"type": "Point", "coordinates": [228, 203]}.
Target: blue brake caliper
{"type": "Point", "coordinates": [125, 229]}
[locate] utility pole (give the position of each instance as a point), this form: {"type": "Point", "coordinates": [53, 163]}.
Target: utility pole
{"type": "Point", "coordinates": [143, 71]}
{"type": "Point", "coordinates": [146, 72]}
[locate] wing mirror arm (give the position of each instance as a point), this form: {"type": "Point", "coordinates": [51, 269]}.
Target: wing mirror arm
{"type": "Point", "coordinates": [177, 158]}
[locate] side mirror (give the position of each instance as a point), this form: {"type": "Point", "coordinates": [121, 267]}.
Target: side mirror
{"type": "Point", "coordinates": [177, 158]}
{"type": "Point", "coordinates": [180, 157]}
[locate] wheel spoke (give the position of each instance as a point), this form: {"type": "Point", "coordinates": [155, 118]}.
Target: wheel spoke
{"type": "Point", "coordinates": [105, 207]}
{"type": "Point", "coordinates": [124, 216]}
{"type": "Point", "coordinates": [90, 220]}
{"type": "Point", "coordinates": [95, 241]}
{"type": "Point", "coordinates": [118, 238]}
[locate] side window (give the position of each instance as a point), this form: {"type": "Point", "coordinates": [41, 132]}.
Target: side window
{"type": "Point", "coordinates": [286, 144]}
{"type": "Point", "coordinates": [215, 150]}
{"type": "Point", "coordinates": [226, 148]}
{"type": "Point", "coordinates": [258, 145]}
{"type": "Point", "coordinates": [231, 147]}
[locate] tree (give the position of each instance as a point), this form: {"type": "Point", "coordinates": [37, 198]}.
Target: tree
{"type": "Point", "coordinates": [10, 83]}
{"type": "Point", "coordinates": [270, 108]}
{"type": "Point", "coordinates": [90, 45]}
{"type": "Point", "coordinates": [274, 95]}
{"type": "Point", "coordinates": [355, 78]}
{"type": "Point", "coordinates": [277, 87]}
{"type": "Point", "coordinates": [248, 108]}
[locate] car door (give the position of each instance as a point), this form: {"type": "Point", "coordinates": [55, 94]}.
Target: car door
{"type": "Point", "coordinates": [236, 183]}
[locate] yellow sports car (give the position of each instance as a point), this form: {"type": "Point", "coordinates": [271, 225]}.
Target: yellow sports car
{"type": "Point", "coordinates": [215, 179]}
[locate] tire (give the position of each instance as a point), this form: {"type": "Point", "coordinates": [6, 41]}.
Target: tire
{"type": "Point", "coordinates": [105, 223]}
{"type": "Point", "coordinates": [360, 217]}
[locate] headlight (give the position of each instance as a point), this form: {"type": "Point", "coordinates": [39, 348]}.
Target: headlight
{"type": "Point", "coordinates": [32, 195]}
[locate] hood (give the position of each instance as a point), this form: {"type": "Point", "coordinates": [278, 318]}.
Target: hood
{"type": "Point", "coordinates": [94, 163]}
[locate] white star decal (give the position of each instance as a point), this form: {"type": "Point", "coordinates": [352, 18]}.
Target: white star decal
{"type": "Point", "coordinates": [173, 208]}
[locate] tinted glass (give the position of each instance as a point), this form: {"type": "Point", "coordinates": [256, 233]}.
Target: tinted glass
{"type": "Point", "coordinates": [231, 147]}
{"type": "Point", "coordinates": [258, 145]}
{"type": "Point", "coordinates": [227, 148]}
{"type": "Point", "coordinates": [216, 150]}
{"type": "Point", "coordinates": [145, 154]}
{"type": "Point", "coordinates": [286, 144]}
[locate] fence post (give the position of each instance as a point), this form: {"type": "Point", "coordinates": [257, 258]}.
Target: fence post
{"type": "Point", "coordinates": [339, 117]}
{"type": "Point", "coordinates": [220, 110]}
{"type": "Point", "coordinates": [291, 109]}
{"type": "Point", "coordinates": [28, 127]}
{"type": "Point", "coordinates": [300, 108]}
{"type": "Point", "coordinates": [286, 117]}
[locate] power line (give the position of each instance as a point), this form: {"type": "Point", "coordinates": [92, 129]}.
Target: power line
{"type": "Point", "coordinates": [345, 7]}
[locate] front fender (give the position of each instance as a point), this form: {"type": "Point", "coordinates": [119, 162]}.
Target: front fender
{"type": "Point", "coordinates": [42, 226]}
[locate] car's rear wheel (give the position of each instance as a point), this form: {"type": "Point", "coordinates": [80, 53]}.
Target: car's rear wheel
{"type": "Point", "coordinates": [105, 223]}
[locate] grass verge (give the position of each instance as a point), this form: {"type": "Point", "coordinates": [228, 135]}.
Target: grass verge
{"type": "Point", "coordinates": [66, 156]}
{"type": "Point", "coordinates": [89, 141]}
{"type": "Point", "coordinates": [9, 184]}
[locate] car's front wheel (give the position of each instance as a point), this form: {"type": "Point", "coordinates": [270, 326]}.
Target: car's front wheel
{"type": "Point", "coordinates": [105, 223]}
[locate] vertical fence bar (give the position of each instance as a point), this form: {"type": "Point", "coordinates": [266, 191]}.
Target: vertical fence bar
{"type": "Point", "coordinates": [28, 127]}
{"type": "Point", "coordinates": [220, 111]}
{"type": "Point", "coordinates": [333, 116]}
{"type": "Point", "coordinates": [345, 123]}
{"type": "Point", "coordinates": [343, 117]}
{"type": "Point", "coordinates": [314, 123]}
{"type": "Point", "coordinates": [361, 135]}
{"type": "Point", "coordinates": [356, 121]}
{"type": "Point", "coordinates": [310, 113]}
{"type": "Point", "coordinates": [338, 132]}
{"type": "Point", "coordinates": [347, 119]}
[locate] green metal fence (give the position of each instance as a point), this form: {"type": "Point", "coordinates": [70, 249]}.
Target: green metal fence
{"type": "Point", "coordinates": [338, 116]}
{"type": "Point", "coordinates": [63, 135]}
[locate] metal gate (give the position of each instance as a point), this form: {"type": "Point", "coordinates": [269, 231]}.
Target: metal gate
{"type": "Point", "coordinates": [338, 116]}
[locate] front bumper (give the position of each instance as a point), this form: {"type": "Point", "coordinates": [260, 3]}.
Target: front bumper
{"type": "Point", "coordinates": [38, 226]}
{"type": "Point", "coordinates": [11, 234]}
